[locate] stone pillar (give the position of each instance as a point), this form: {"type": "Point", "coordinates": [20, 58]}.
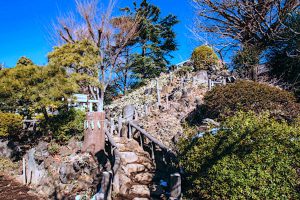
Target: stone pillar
{"type": "Point", "coordinates": [119, 125]}
{"type": "Point", "coordinates": [94, 134]}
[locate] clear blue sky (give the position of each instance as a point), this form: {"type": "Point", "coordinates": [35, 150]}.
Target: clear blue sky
{"type": "Point", "coordinates": [25, 26]}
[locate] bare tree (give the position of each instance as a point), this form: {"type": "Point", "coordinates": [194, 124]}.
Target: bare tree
{"type": "Point", "coordinates": [109, 34]}
{"type": "Point", "coordinates": [256, 22]}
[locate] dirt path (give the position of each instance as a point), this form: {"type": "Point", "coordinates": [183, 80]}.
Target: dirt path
{"type": "Point", "coordinates": [12, 190]}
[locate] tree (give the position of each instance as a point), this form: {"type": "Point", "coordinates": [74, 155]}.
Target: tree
{"type": "Point", "coordinates": [203, 57]}
{"type": "Point", "coordinates": [284, 57]}
{"type": "Point", "coordinates": [29, 89]}
{"type": "Point", "coordinates": [24, 61]}
{"type": "Point", "coordinates": [108, 34]}
{"type": "Point", "coordinates": [250, 157]}
{"type": "Point", "coordinates": [156, 40]}
{"type": "Point", "coordinates": [252, 24]}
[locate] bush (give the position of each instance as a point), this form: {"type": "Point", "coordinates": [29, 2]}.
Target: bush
{"type": "Point", "coordinates": [53, 148]}
{"type": "Point", "coordinates": [203, 57]}
{"type": "Point", "coordinates": [251, 157]}
{"type": "Point", "coordinates": [248, 95]}
{"type": "Point", "coordinates": [66, 124]}
{"type": "Point", "coordinates": [10, 124]}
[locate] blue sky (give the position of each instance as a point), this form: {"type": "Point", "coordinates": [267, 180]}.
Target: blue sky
{"type": "Point", "coordinates": [25, 27]}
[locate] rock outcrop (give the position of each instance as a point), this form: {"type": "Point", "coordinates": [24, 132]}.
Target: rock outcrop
{"type": "Point", "coordinates": [136, 172]}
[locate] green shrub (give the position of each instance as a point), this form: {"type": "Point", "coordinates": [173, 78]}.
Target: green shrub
{"type": "Point", "coordinates": [10, 124]}
{"type": "Point", "coordinates": [53, 148]}
{"type": "Point", "coordinates": [203, 57]}
{"type": "Point", "coordinates": [66, 124]}
{"type": "Point", "coordinates": [248, 95]}
{"type": "Point", "coordinates": [251, 157]}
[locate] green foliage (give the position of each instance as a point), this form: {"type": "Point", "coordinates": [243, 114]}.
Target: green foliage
{"type": "Point", "coordinates": [245, 60]}
{"type": "Point", "coordinates": [248, 95]}
{"type": "Point", "coordinates": [53, 148]}
{"type": "Point", "coordinates": [23, 61]}
{"type": "Point", "coordinates": [284, 56]}
{"type": "Point", "coordinates": [80, 60]}
{"type": "Point", "coordinates": [7, 165]}
{"type": "Point", "coordinates": [29, 89]}
{"type": "Point", "coordinates": [66, 124]}
{"type": "Point", "coordinates": [156, 40]}
{"type": "Point", "coordinates": [251, 157]}
{"type": "Point", "coordinates": [203, 57]}
{"type": "Point", "coordinates": [10, 124]}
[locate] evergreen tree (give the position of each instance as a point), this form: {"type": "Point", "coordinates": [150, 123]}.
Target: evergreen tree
{"type": "Point", "coordinates": [30, 89]}
{"type": "Point", "coordinates": [24, 61]}
{"type": "Point", "coordinates": [156, 41]}
{"type": "Point", "coordinates": [284, 56]}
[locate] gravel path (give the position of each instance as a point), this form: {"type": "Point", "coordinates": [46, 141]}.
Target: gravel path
{"type": "Point", "coordinates": [12, 190]}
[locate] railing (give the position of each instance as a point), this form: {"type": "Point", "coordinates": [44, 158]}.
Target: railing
{"type": "Point", "coordinates": [141, 135]}
{"type": "Point", "coordinates": [108, 179]}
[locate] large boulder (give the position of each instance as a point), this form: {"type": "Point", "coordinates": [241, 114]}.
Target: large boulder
{"type": "Point", "coordinates": [5, 151]}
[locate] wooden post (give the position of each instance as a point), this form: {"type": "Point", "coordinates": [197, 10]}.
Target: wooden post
{"type": "Point", "coordinates": [182, 83]}
{"type": "Point", "coordinates": [209, 84]}
{"type": "Point", "coordinates": [112, 126]}
{"type": "Point", "coordinates": [224, 81]}
{"type": "Point", "coordinates": [175, 185]}
{"type": "Point", "coordinates": [90, 107]}
{"type": "Point", "coordinates": [141, 140]}
{"type": "Point", "coordinates": [152, 151]}
{"type": "Point", "coordinates": [158, 92]}
{"type": "Point", "coordinates": [119, 125]}
{"type": "Point", "coordinates": [105, 186]}
{"type": "Point", "coordinates": [146, 109]}
{"type": "Point", "coordinates": [24, 171]}
{"type": "Point", "coordinates": [167, 101]}
{"type": "Point", "coordinates": [129, 131]}
{"type": "Point", "coordinates": [193, 81]}
{"type": "Point", "coordinates": [171, 77]}
{"type": "Point", "coordinates": [136, 115]}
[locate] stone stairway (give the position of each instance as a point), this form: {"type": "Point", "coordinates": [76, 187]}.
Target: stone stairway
{"type": "Point", "coordinates": [147, 160]}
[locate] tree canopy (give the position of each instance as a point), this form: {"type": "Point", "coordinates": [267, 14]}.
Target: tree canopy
{"type": "Point", "coordinates": [29, 89]}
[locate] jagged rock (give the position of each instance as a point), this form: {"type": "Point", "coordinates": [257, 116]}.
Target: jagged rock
{"type": "Point", "coordinates": [35, 171]}
{"type": "Point", "coordinates": [125, 183]}
{"type": "Point", "coordinates": [201, 77]}
{"type": "Point", "coordinates": [140, 191]}
{"type": "Point", "coordinates": [41, 152]}
{"type": "Point", "coordinates": [128, 157]}
{"type": "Point", "coordinates": [5, 151]}
{"type": "Point", "coordinates": [134, 168]}
{"type": "Point", "coordinates": [144, 178]}
{"type": "Point", "coordinates": [128, 112]}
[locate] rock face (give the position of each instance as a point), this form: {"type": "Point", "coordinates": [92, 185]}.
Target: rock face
{"type": "Point", "coordinates": [5, 151]}
{"type": "Point", "coordinates": [201, 77]}
{"type": "Point", "coordinates": [136, 172]}
{"type": "Point", "coordinates": [64, 175]}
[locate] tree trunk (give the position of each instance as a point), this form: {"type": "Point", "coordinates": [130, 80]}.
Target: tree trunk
{"type": "Point", "coordinates": [100, 105]}
{"type": "Point", "coordinates": [44, 110]}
